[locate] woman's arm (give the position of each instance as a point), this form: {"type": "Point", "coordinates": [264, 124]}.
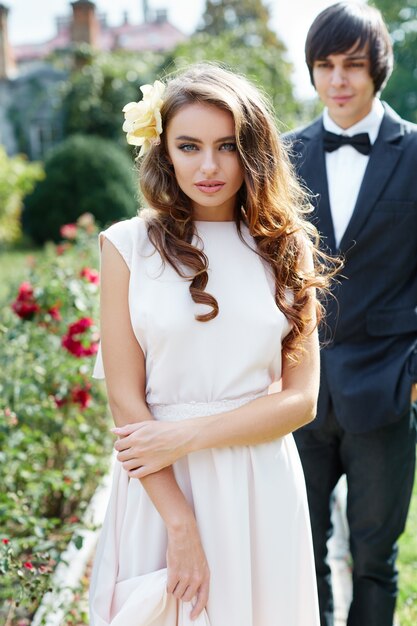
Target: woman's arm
{"type": "Point", "coordinates": [124, 366]}
{"type": "Point", "coordinates": [152, 446]}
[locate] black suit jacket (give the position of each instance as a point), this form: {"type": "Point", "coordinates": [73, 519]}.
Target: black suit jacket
{"type": "Point", "coordinates": [370, 359]}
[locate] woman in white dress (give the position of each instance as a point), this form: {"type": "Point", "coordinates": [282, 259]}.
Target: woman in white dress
{"type": "Point", "coordinates": [206, 300]}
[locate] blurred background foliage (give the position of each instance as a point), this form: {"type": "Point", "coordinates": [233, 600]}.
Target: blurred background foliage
{"type": "Point", "coordinates": [83, 174]}
{"type": "Point", "coordinates": [401, 90]}
{"type": "Point", "coordinates": [96, 85]}
{"type": "Point", "coordinates": [236, 33]}
{"type": "Point", "coordinates": [99, 86]}
{"type": "Point", "coordinates": [17, 178]}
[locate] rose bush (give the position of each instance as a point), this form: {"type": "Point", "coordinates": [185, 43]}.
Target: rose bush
{"type": "Point", "coordinates": [54, 426]}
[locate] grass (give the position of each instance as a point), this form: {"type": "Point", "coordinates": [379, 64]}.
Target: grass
{"type": "Point", "coordinates": [407, 563]}
{"type": "Point", "coordinates": [13, 267]}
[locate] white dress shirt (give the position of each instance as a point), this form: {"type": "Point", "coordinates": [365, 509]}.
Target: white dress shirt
{"type": "Point", "coordinates": [346, 167]}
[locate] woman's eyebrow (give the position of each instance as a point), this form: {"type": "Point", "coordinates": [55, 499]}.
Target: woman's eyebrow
{"type": "Point", "coordinates": [195, 140]}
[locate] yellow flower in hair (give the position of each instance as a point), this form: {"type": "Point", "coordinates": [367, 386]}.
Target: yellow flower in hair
{"type": "Point", "coordinates": [143, 122]}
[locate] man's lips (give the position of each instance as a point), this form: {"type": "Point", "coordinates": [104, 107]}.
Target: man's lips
{"type": "Point", "coordinates": [341, 99]}
{"type": "Point", "coordinates": [210, 186]}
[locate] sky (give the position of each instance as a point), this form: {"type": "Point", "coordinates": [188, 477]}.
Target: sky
{"type": "Point", "coordinates": [32, 21]}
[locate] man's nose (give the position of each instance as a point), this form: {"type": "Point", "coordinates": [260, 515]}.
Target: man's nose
{"type": "Point", "coordinates": [338, 77]}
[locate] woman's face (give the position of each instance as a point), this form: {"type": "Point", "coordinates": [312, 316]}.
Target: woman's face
{"type": "Point", "coordinates": [202, 148]}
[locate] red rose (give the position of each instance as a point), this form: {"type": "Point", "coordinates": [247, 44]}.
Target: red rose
{"type": "Point", "coordinates": [68, 231]}
{"type": "Point", "coordinates": [25, 305]}
{"type": "Point", "coordinates": [61, 248]}
{"type": "Point", "coordinates": [28, 565]}
{"type": "Point", "coordinates": [91, 275]}
{"type": "Point", "coordinates": [25, 291]}
{"type": "Point", "coordinates": [73, 343]}
{"type": "Point", "coordinates": [73, 346]}
{"type": "Point", "coordinates": [59, 401]}
{"type": "Point", "coordinates": [25, 310]}
{"type": "Point", "coordinates": [80, 395]}
{"type": "Point", "coordinates": [55, 313]}
{"type": "Point", "coordinates": [5, 541]}
{"type": "Point", "coordinates": [90, 350]}
{"type": "Point", "coordinates": [79, 327]}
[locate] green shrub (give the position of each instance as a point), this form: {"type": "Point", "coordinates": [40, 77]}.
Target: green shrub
{"type": "Point", "coordinates": [83, 175]}
{"type": "Point", "coordinates": [54, 426]}
{"type": "Point", "coordinates": [17, 178]}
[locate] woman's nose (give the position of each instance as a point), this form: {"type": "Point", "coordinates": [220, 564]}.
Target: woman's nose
{"type": "Point", "coordinates": [209, 163]}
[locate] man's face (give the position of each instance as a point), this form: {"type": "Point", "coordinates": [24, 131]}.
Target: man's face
{"type": "Point", "coordinates": [344, 84]}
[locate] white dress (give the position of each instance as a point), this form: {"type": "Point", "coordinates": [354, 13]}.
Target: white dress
{"type": "Point", "coordinates": [249, 502]}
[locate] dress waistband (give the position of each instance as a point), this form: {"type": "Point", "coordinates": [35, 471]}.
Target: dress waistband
{"type": "Point", "coordinates": [177, 412]}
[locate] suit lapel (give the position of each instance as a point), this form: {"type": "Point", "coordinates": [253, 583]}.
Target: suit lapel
{"type": "Point", "coordinates": [384, 157]}
{"type": "Point", "coordinates": [313, 170]}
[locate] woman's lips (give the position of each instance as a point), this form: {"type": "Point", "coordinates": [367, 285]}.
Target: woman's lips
{"type": "Point", "coordinates": [210, 186]}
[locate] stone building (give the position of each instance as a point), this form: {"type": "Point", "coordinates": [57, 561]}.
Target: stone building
{"type": "Point", "coordinates": [30, 115]}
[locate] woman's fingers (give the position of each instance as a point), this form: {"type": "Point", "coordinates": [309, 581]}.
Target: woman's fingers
{"type": "Point", "coordinates": [123, 443]}
{"type": "Point", "coordinates": [192, 590]}
{"type": "Point", "coordinates": [125, 455]}
{"type": "Point", "coordinates": [172, 582]}
{"type": "Point", "coordinates": [202, 599]}
{"type": "Point", "coordinates": [180, 589]}
{"type": "Point", "coordinates": [131, 465]}
{"type": "Point", "coordinates": [187, 588]}
{"type": "Point", "coordinates": [125, 430]}
{"type": "Point", "coordinates": [188, 571]}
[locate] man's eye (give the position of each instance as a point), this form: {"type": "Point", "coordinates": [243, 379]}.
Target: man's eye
{"type": "Point", "coordinates": [228, 147]}
{"type": "Point", "coordinates": [187, 147]}
{"type": "Point", "coordinates": [322, 64]}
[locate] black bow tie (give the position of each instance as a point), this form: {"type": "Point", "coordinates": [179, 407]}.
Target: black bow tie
{"type": "Point", "coordinates": [360, 142]}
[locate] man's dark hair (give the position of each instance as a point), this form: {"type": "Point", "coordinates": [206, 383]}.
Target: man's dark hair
{"type": "Point", "coordinates": [351, 26]}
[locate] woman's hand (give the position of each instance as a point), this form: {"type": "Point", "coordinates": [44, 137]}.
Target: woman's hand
{"type": "Point", "coordinates": [188, 572]}
{"type": "Point", "coordinates": [147, 447]}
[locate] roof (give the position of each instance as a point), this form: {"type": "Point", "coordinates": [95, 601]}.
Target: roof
{"type": "Point", "coordinates": [154, 36]}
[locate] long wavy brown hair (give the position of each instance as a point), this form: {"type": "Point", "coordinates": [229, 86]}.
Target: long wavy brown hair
{"type": "Point", "coordinates": [271, 203]}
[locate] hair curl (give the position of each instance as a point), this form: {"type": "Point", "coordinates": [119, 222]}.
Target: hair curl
{"type": "Point", "coordinates": [271, 203]}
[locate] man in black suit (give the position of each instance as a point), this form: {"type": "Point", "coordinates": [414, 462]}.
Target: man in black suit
{"type": "Point", "coordinates": [359, 159]}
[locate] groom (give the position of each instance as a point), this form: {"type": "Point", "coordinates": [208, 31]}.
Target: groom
{"type": "Point", "coordinates": [359, 159]}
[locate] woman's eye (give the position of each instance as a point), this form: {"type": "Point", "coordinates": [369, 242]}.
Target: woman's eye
{"type": "Point", "coordinates": [228, 147]}
{"type": "Point", "coordinates": [187, 147]}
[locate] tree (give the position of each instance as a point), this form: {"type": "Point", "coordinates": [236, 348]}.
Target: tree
{"type": "Point", "coordinates": [401, 90]}
{"type": "Point", "coordinates": [396, 12]}
{"type": "Point", "coordinates": [100, 86]}
{"type": "Point", "coordinates": [230, 15]}
{"type": "Point", "coordinates": [236, 34]}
